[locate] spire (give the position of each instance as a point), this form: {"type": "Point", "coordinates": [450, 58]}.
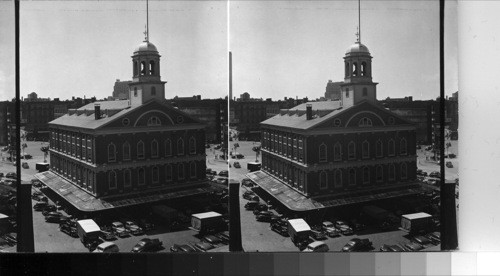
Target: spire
{"type": "Point", "coordinates": [146, 33]}
{"type": "Point", "coordinates": [359, 21]}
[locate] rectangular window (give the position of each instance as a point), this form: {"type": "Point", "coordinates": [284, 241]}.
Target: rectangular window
{"type": "Point", "coordinates": [168, 173]}
{"type": "Point", "coordinates": [89, 149]}
{"type": "Point", "coordinates": [301, 150]}
{"type": "Point", "coordinates": [127, 179]}
{"type": "Point", "coordinates": [294, 148]}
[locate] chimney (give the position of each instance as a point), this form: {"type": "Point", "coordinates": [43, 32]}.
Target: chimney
{"type": "Point", "coordinates": [97, 111]}
{"type": "Point", "coordinates": [309, 112]}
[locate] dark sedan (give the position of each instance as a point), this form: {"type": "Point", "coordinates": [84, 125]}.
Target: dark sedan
{"type": "Point", "coordinates": [147, 244]}
{"type": "Point", "coordinates": [357, 245]}
{"type": "Point", "coordinates": [204, 246]}
{"type": "Point", "coordinates": [183, 248]}
{"type": "Point", "coordinates": [212, 239]}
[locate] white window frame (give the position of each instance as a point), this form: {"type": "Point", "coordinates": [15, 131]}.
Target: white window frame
{"type": "Point", "coordinates": [323, 153]}
{"type": "Point", "coordinates": [154, 148]}
{"type": "Point", "coordinates": [111, 152]}
{"type": "Point", "coordinates": [139, 156]}
{"type": "Point", "coordinates": [112, 176]}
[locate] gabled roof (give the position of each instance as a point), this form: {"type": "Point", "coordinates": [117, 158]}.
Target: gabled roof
{"type": "Point", "coordinates": [296, 117]}
{"type": "Point", "coordinates": [322, 111]}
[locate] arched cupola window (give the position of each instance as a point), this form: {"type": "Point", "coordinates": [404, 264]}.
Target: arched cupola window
{"type": "Point", "coordinates": [322, 153]}
{"type": "Point", "coordinates": [363, 69]}
{"type": "Point", "coordinates": [152, 67]}
{"type": "Point", "coordinates": [136, 68]}
{"type": "Point", "coordinates": [154, 121]}
{"type": "Point", "coordinates": [143, 68]}
{"type": "Point", "coordinates": [355, 69]}
{"type": "Point", "coordinates": [347, 69]}
{"type": "Point", "coordinates": [365, 122]}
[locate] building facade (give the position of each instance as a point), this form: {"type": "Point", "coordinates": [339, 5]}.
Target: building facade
{"type": "Point", "coordinates": [338, 149]}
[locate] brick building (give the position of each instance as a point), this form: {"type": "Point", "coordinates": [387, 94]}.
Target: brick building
{"type": "Point", "coordinates": [125, 152]}
{"type": "Point", "coordinates": [333, 153]}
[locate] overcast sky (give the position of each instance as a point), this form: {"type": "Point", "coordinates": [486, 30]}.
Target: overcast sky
{"type": "Point", "coordinates": [280, 49]}
{"type": "Point", "coordinates": [292, 48]}
{"type": "Point", "coordinates": [72, 48]}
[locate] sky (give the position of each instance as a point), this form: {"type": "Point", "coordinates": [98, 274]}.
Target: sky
{"type": "Point", "coordinates": [292, 48]}
{"type": "Point", "coordinates": [73, 48]}
{"type": "Point", "coordinates": [280, 48]}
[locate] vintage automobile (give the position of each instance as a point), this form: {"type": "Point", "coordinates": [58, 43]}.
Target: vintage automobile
{"type": "Point", "coordinates": [147, 245]}
{"type": "Point", "coordinates": [357, 245]}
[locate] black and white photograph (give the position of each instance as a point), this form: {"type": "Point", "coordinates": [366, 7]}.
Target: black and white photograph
{"type": "Point", "coordinates": [335, 124]}
{"type": "Point", "coordinates": [122, 107]}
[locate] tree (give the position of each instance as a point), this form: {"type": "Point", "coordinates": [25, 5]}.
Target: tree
{"type": "Point", "coordinates": [23, 146]}
{"type": "Point", "coordinates": [45, 151]}
{"type": "Point", "coordinates": [257, 153]}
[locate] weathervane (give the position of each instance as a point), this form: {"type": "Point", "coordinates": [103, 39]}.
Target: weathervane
{"type": "Point", "coordinates": [145, 33]}
{"type": "Point", "coordinates": [357, 35]}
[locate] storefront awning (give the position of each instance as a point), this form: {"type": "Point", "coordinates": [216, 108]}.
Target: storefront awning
{"type": "Point", "coordinates": [86, 202]}
{"type": "Point", "coordinates": [295, 201]}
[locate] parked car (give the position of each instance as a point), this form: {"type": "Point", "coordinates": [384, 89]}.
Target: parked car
{"type": "Point", "coordinates": [53, 217]}
{"type": "Point", "coordinates": [356, 225]}
{"type": "Point", "coordinates": [133, 228]}
{"type": "Point", "coordinates": [248, 194]}
{"type": "Point", "coordinates": [11, 175]}
{"type": "Point", "coordinates": [247, 182]}
{"type": "Point", "coordinates": [212, 239]}
{"type": "Point", "coordinates": [412, 246]}
{"type": "Point", "coordinates": [147, 245]}
{"type": "Point", "coordinates": [421, 240]}
{"type": "Point", "coordinates": [280, 229]}
{"type": "Point", "coordinates": [107, 247]}
{"type": "Point", "coordinates": [251, 205]}
{"type": "Point", "coordinates": [40, 198]}
{"type": "Point", "coordinates": [49, 208]}
{"type": "Point", "coordinates": [343, 228]}
{"type": "Point", "coordinates": [183, 248]}
{"type": "Point", "coordinates": [318, 235]}
{"type": "Point", "coordinates": [237, 165]}
{"type": "Point", "coordinates": [224, 173]}
{"type": "Point", "coordinates": [357, 245]}
{"type": "Point", "coordinates": [449, 164]}
{"type": "Point", "coordinates": [204, 246]}
{"type": "Point", "coordinates": [317, 246]}
{"type": "Point", "coordinates": [434, 237]}
{"type": "Point", "coordinates": [260, 207]}
{"type": "Point", "coordinates": [68, 229]}
{"type": "Point", "coordinates": [108, 236]}
{"type": "Point", "coordinates": [432, 182]}
{"type": "Point", "coordinates": [223, 236]}
{"type": "Point", "coordinates": [435, 174]}
{"type": "Point", "coordinates": [119, 229]}
{"type": "Point", "coordinates": [385, 248]}
{"type": "Point", "coordinates": [264, 216]}
{"type": "Point", "coordinates": [146, 224]}
{"type": "Point", "coordinates": [221, 180]}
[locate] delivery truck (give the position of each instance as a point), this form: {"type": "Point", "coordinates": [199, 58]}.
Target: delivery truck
{"type": "Point", "coordinates": [253, 166]}
{"type": "Point", "coordinates": [416, 223]}
{"type": "Point", "coordinates": [208, 222]}
{"type": "Point", "coordinates": [299, 230]}
{"type": "Point", "coordinates": [88, 230]}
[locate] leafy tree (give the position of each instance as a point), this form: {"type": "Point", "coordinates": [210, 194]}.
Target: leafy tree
{"type": "Point", "coordinates": [45, 151]}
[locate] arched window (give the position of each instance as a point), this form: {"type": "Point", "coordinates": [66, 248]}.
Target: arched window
{"type": "Point", "coordinates": [141, 176]}
{"type": "Point", "coordinates": [112, 180]}
{"type": "Point", "coordinates": [192, 145]}
{"type": "Point", "coordinates": [365, 91]}
{"type": "Point", "coordinates": [168, 147]}
{"type": "Point", "coordinates": [135, 91]}
{"type": "Point", "coordinates": [111, 153]}
{"type": "Point", "coordinates": [126, 151]}
{"type": "Point", "coordinates": [391, 148]}
{"type": "Point", "coordinates": [351, 150]}
{"type": "Point", "coordinates": [380, 173]}
{"type": "Point", "coordinates": [379, 148]}
{"type": "Point", "coordinates": [153, 91]}
{"type": "Point", "coordinates": [180, 171]}
{"type": "Point", "coordinates": [127, 178]}
{"type": "Point", "coordinates": [404, 171]}
{"type": "Point", "coordinates": [392, 172]}
{"type": "Point", "coordinates": [352, 177]}
{"type": "Point", "coordinates": [143, 68]}
{"type": "Point", "coordinates": [154, 149]}
{"type": "Point", "coordinates": [180, 147]}
{"type": "Point", "coordinates": [155, 175]}
{"type": "Point", "coordinates": [154, 121]}
{"type": "Point", "coordinates": [337, 152]}
{"type": "Point", "coordinates": [403, 147]}
{"type": "Point", "coordinates": [365, 122]}
{"type": "Point", "coordinates": [136, 71]}
{"type": "Point", "coordinates": [192, 170]}
{"type": "Point", "coordinates": [322, 153]}
{"type": "Point", "coordinates": [366, 149]}
{"type": "Point", "coordinates": [363, 68]}
{"type": "Point", "coordinates": [152, 67]}
{"type": "Point", "coordinates": [168, 173]}
{"type": "Point", "coordinates": [323, 180]}
{"type": "Point", "coordinates": [354, 69]}
{"type": "Point", "coordinates": [366, 175]}
{"type": "Point", "coordinates": [338, 178]}
{"type": "Point", "coordinates": [347, 69]}
{"type": "Point", "coordinates": [140, 150]}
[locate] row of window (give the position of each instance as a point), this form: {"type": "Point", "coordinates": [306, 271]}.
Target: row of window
{"type": "Point", "coordinates": [155, 175]}
{"type": "Point", "coordinates": [146, 68]}
{"type": "Point", "coordinates": [337, 176]}
{"type": "Point", "coordinates": [73, 171]}
{"type": "Point", "coordinates": [291, 147]}
{"type": "Point", "coordinates": [355, 70]}
{"type": "Point", "coordinates": [365, 150]}
{"type": "Point", "coordinates": [286, 172]}
{"type": "Point", "coordinates": [78, 145]}
{"type": "Point", "coordinates": [154, 146]}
